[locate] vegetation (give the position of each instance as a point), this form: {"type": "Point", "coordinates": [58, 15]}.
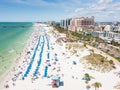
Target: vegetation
{"type": "Point", "coordinates": [86, 81]}
{"type": "Point", "coordinates": [117, 86]}
{"type": "Point", "coordinates": [115, 43]}
{"type": "Point", "coordinates": [99, 63]}
{"type": "Point", "coordinates": [111, 62]}
{"type": "Point", "coordinates": [58, 41]}
{"type": "Point", "coordinates": [87, 75]}
{"type": "Point", "coordinates": [117, 58]}
{"type": "Point", "coordinates": [79, 36]}
{"type": "Point", "coordinates": [97, 85]}
{"type": "Point", "coordinates": [87, 39]}
{"type": "Point", "coordinates": [74, 47]}
{"type": "Point", "coordinates": [61, 30]}
{"type": "Point", "coordinates": [86, 78]}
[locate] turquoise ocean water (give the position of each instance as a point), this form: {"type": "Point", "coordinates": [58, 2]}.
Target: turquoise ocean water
{"type": "Point", "coordinates": [13, 39]}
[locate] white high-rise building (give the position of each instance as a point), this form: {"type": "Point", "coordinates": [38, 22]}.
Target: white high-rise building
{"type": "Point", "coordinates": [65, 23]}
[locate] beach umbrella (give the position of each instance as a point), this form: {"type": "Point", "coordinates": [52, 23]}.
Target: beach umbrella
{"type": "Point", "coordinates": [25, 75]}
{"type": "Point", "coordinates": [23, 78]}
{"type": "Point", "coordinates": [74, 62]}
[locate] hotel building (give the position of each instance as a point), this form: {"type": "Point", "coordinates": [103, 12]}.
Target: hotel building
{"type": "Point", "coordinates": [82, 24]}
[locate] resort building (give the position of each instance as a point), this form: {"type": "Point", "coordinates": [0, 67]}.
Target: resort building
{"type": "Point", "coordinates": [53, 23]}
{"type": "Point", "coordinates": [108, 28]}
{"type": "Point", "coordinates": [107, 35]}
{"type": "Point", "coordinates": [65, 23]}
{"type": "Point", "coordinates": [117, 28]}
{"type": "Point", "coordinates": [82, 24]}
{"type": "Point", "coordinates": [98, 34]}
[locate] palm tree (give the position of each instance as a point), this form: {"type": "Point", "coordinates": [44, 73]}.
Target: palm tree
{"type": "Point", "coordinates": [97, 85]}
{"type": "Point", "coordinates": [87, 75]}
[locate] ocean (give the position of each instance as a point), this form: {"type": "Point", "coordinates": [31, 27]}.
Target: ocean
{"type": "Point", "coordinates": [13, 39]}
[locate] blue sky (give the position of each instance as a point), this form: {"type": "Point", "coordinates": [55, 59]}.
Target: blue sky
{"type": "Point", "coordinates": [44, 10]}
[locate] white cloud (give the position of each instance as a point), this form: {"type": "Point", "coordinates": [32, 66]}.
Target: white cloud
{"type": "Point", "coordinates": [31, 2]}
{"type": "Point", "coordinates": [105, 1]}
{"type": "Point", "coordinates": [79, 9]}
{"type": "Point", "coordinates": [103, 10]}
{"type": "Point", "coordinates": [95, 7]}
{"type": "Point", "coordinates": [66, 5]}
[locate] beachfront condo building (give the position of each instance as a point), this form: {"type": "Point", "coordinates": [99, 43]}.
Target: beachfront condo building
{"type": "Point", "coordinates": [65, 23]}
{"type": "Point", "coordinates": [82, 24]}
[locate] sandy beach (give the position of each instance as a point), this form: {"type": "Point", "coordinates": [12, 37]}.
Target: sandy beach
{"type": "Point", "coordinates": [43, 58]}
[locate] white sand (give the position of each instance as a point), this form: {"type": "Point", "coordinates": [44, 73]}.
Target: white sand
{"type": "Point", "coordinates": [70, 74]}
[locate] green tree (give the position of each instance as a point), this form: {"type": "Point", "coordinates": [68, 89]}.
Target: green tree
{"type": "Point", "coordinates": [97, 85]}
{"type": "Point", "coordinates": [111, 62]}
{"type": "Point", "coordinates": [85, 45]}
{"type": "Point", "coordinates": [87, 75]}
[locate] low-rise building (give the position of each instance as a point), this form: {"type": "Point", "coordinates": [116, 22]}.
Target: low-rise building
{"type": "Point", "coordinates": [51, 23]}
{"type": "Point", "coordinates": [117, 28]}
{"type": "Point", "coordinates": [98, 34]}
{"type": "Point", "coordinates": [107, 35]}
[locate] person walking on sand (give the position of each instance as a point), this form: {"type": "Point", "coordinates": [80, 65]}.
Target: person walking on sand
{"type": "Point", "coordinates": [7, 86]}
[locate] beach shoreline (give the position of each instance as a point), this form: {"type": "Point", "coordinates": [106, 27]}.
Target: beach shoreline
{"type": "Point", "coordinates": [60, 62]}
{"type": "Point", "coordinates": [7, 75]}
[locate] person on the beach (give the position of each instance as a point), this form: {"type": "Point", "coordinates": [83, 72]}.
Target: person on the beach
{"type": "Point", "coordinates": [7, 86]}
{"type": "Point", "coordinates": [13, 84]}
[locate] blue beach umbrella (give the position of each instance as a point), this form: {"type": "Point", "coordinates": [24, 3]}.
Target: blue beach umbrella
{"type": "Point", "coordinates": [74, 63]}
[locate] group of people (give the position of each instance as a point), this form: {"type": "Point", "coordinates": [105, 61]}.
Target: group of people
{"type": "Point", "coordinates": [23, 60]}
